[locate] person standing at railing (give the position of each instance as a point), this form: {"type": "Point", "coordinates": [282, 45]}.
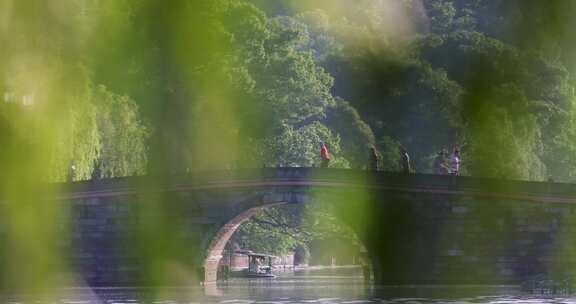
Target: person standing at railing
{"type": "Point", "coordinates": [324, 155]}
{"type": "Point", "coordinates": [455, 162]}
{"type": "Point", "coordinates": [405, 161]}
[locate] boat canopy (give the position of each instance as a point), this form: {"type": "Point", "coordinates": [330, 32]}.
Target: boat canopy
{"type": "Point", "coordinates": [254, 254]}
{"type": "Point", "coordinates": [261, 255]}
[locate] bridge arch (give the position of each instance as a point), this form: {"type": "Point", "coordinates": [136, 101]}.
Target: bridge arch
{"type": "Point", "coordinates": [354, 218]}
{"type": "Point", "coordinates": [216, 245]}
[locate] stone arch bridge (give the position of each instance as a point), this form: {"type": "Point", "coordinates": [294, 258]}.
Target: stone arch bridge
{"type": "Point", "coordinates": [418, 229]}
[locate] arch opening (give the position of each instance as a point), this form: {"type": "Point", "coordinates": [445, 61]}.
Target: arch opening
{"type": "Point", "coordinates": [315, 243]}
{"type": "Point", "coordinates": [219, 241]}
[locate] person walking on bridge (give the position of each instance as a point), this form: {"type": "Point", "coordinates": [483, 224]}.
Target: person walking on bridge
{"type": "Point", "coordinates": [405, 161]}
{"type": "Point", "coordinates": [374, 159]}
{"type": "Point", "coordinates": [324, 155]}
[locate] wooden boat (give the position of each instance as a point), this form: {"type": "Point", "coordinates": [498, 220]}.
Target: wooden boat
{"type": "Point", "coordinates": [259, 266]}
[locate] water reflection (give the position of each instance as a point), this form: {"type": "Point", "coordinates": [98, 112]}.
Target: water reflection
{"type": "Point", "coordinates": [345, 283]}
{"type": "Point", "coordinates": [326, 286]}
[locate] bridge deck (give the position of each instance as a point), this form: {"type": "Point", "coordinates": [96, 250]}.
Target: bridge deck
{"type": "Point", "coordinates": [333, 178]}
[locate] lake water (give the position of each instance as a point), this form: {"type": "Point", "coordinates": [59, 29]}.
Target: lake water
{"type": "Point", "coordinates": [326, 286]}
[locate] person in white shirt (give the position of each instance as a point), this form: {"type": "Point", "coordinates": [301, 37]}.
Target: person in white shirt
{"type": "Point", "coordinates": [455, 162]}
{"type": "Point", "coordinates": [405, 161]}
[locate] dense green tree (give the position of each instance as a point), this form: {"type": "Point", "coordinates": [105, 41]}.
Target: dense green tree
{"type": "Point", "coordinates": [273, 231]}
{"type": "Point", "coordinates": [290, 93]}
{"type": "Point", "coordinates": [69, 148]}
{"type": "Point", "coordinates": [123, 136]}
{"type": "Point", "coordinates": [424, 94]}
{"type": "Point", "coordinates": [78, 145]}
{"type": "Point", "coordinates": [301, 147]}
{"type": "Point", "coordinates": [559, 158]}
{"type": "Point", "coordinates": [501, 81]}
{"type": "Point", "coordinates": [504, 143]}
{"type": "Point", "coordinates": [355, 135]}
{"type": "Point", "coordinates": [441, 15]}
{"type": "Point", "coordinates": [404, 99]}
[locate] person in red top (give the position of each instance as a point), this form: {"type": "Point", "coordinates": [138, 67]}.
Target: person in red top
{"type": "Point", "coordinates": [324, 155]}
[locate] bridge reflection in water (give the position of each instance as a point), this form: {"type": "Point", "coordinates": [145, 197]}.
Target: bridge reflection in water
{"type": "Point", "coordinates": [418, 229]}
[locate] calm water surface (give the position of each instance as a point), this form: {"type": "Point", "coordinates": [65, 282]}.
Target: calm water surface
{"type": "Point", "coordinates": [342, 286]}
